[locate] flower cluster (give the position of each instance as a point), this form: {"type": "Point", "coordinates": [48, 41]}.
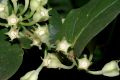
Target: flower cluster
{"type": "Point", "coordinates": [18, 20]}
{"type": "Point", "coordinates": [31, 21]}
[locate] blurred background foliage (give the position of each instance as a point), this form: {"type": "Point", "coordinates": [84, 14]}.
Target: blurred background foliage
{"type": "Point", "coordinates": [64, 6]}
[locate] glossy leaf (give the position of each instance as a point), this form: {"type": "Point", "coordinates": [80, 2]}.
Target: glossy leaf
{"type": "Point", "coordinates": [10, 57]}
{"type": "Point", "coordinates": [82, 24]}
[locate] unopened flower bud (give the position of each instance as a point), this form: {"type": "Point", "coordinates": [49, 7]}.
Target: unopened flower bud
{"type": "Point", "coordinates": [41, 14]}
{"type": "Point", "coordinates": [63, 46]}
{"type": "Point", "coordinates": [111, 69]}
{"type": "Point", "coordinates": [34, 4]}
{"type": "Point", "coordinates": [2, 8]}
{"type": "Point", "coordinates": [3, 11]}
{"type": "Point", "coordinates": [31, 75]}
{"type": "Point", "coordinates": [43, 2]}
{"type": "Point", "coordinates": [83, 63]}
{"type": "Point", "coordinates": [13, 33]}
{"type": "Point", "coordinates": [12, 20]}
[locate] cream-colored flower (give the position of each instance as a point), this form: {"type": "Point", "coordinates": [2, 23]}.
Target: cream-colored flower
{"type": "Point", "coordinates": [2, 8]}
{"type": "Point", "coordinates": [51, 61]}
{"type": "Point", "coordinates": [63, 46]}
{"type": "Point", "coordinates": [31, 75]}
{"type": "Point", "coordinates": [36, 41]}
{"type": "Point", "coordinates": [41, 31]}
{"type": "Point", "coordinates": [13, 33]}
{"type": "Point", "coordinates": [34, 4]}
{"type": "Point", "coordinates": [3, 11]}
{"type": "Point", "coordinates": [111, 69]}
{"type": "Point", "coordinates": [43, 2]}
{"type": "Point", "coordinates": [40, 35]}
{"type": "Point", "coordinates": [41, 14]}
{"type": "Point", "coordinates": [84, 63]}
{"type": "Point", "coordinates": [12, 20]}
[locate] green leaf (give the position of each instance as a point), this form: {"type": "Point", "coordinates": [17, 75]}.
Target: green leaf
{"type": "Point", "coordinates": [10, 57]}
{"type": "Point", "coordinates": [55, 26]}
{"type": "Point", "coordinates": [25, 43]}
{"type": "Point", "coordinates": [82, 24]}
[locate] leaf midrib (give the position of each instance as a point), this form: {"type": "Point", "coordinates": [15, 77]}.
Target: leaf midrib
{"type": "Point", "coordinates": [76, 38]}
{"type": "Point", "coordinates": [74, 26]}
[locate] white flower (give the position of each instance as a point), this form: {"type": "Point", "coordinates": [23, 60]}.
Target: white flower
{"type": "Point", "coordinates": [111, 69]}
{"type": "Point", "coordinates": [41, 14]}
{"type": "Point", "coordinates": [31, 75]}
{"type": "Point", "coordinates": [36, 41]}
{"type": "Point", "coordinates": [3, 11]}
{"type": "Point", "coordinates": [43, 2]}
{"type": "Point", "coordinates": [83, 63]}
{"type": "Point", "coordinates": [34, 4]}
{"type": "Point", "coordinates": [2, 8]}
{"type": "Point", "coordinates": [63, 46]}
{"type": "Point", "coordinates": [42, 33]}
{"type": "Point", "coordinates": [12, 20]}
{"type": "Point", "coordinates": [13, 33]}
{"type": "Point", "coordinates": [51, 61]}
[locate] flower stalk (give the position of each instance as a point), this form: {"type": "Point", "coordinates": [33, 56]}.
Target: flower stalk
{"type": "Point", "coordinates": [15, 5]}
{"type": "Point", "coordinates": [25, 7]}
